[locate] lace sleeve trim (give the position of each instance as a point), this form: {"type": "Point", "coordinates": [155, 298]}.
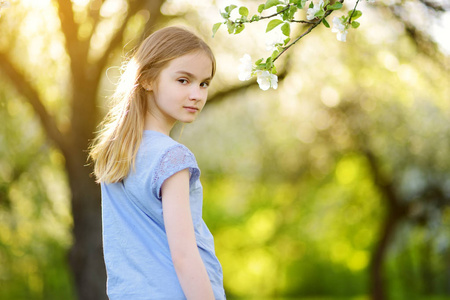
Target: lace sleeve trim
{"type": "Point", "coordinates": [175, 159]}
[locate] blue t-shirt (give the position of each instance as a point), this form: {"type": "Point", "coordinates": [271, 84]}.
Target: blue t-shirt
{"type": "Point", "coordinates": [135, 246]}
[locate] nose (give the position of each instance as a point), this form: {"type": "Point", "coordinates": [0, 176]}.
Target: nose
{"type": "Point", "coordinates": [197, 93]}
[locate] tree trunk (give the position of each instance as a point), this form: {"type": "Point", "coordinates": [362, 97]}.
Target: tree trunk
{"type": "Point", "coordinates": [426, 269]}
{"type": "Point", "coordinates": [86, 257]}
{"type": "Point", "coordinates": [389, 227]}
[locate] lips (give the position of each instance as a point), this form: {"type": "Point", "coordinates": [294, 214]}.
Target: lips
{"type": "Point", "coordinates": [191, 108]}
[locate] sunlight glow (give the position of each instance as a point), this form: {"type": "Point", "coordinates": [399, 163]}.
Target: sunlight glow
{"type": "Point", "coordinates": [109, 8]}
{"type": "Point", "coordinates": [440, 30]}
{"type": "Point", "coordinates": [36, 4]}
{"type": "Point", "coordinates": [80, 2]}
{"type": "Point", "coordinates": [347, 170]}
{"type": "Point", "coordinates": [329, 96]}
{"type": "Point", "coordinates": [358, 261]}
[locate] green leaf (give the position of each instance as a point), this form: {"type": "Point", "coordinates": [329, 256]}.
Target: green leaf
{"type": "Point", "coordinates": [292, 11]}
{"type": "Point", "coordinates": [225, 15]}
{"type": "Point", "coordinates": [254, 18]}
{"type": "Point", "coordinates": [271, 3]}
{"type": "Point", "coordinates": [335, 6]}
{"type": "Point", "coordinates": [286, 29]}
{"type": "Point", "coordinates": [287, 41]}
{"type": "Point", "coordinates": [260, 66]}
{"type": "Point", "coordinates": [325, 23]}
{"type": "Point", "coordinates": [269, 63]}
{"type": "Point", "coordinates": [239, 28]}
{"type": "Point", "coordinates": [356, 14]}
{"type": "Point", "coordinates": [230, 8]}
{"type": "Point", "coordinates": [355, 24]}
{"type": "Point", "coordinates": [319, 14]}
{"type": "Point", "coordinates": [215, 28]}
{"type": "Point", "coordinates": [258, 61]}
{"type": "Point", "coordinates": [311, 5]}
{"type": "Point", "coordinates": [243, 11]}
{"type": "Point", "coordinates": [274, 54]}
{"type": "Point", "coordinates": [274, 70]}
{"type": "Point", "coordinates": [272, 24]}
{"type": "Point", "coordinates": [261, 8]}
{"type": "Point", "coordinates": [231, 27]}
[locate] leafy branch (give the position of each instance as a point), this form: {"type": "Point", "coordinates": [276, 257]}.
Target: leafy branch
{"type": "Point", "coordinates": [286, 10]}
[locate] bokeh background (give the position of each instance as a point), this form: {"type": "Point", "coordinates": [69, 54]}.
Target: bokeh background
{"type": "Point", "coordinates": [334, 186]}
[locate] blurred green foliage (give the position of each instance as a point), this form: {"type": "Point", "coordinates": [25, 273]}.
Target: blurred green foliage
{"type": "Point", "coordinates": [290, 194]}
{"type": "Point", "coordinates": [34, 213]}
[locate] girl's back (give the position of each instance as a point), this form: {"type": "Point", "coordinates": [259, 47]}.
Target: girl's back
{"type": "Point", "coordinates": [155, 242]}
{"type": "Point", "coordinates": [136, 250]}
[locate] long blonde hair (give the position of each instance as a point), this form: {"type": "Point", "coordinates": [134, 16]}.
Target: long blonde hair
{"type": "Point", "coordinates": [114, 149]}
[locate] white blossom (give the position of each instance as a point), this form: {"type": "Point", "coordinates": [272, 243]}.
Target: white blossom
{"type": "Point", "coordinates": [273, 38]}
{"type": "Point", "coordinates": [340, 29]}
{"type": "Point", "coordinates": [266, 80]}
{"type": "Point", "coordinates": [4, 4]}
{"type": "Point", "coordinates": [245, 68]}
{"type": "Point", "coordinates": [310, 13]}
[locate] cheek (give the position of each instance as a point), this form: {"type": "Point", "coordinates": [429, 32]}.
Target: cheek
{"type": "Point", "coordinates": [205, 96]}
{"type": "Point", "coordinates": [203, 103]}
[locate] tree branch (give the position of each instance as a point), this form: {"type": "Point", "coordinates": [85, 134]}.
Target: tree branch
{"type": "Point", "coordinates": [76, 49]}
{"type": "Point", "coordinates": [22, 86]}
{"type": "Point", "coordinates": [310, 28]}
{"type": "Point", "coordinates": [220, 95]}
{"type": "Point", "coordinates": [154, 7]}
{"type": "Point", "coordinates": [68, 25]}
{"type": "Point", "coordinates": [303, 21]}
{"type": "Point", "coordinates": [422, 40]}
{"type": "Point", "coordinates": [434, 6]}
{"type": "Point", "coordinates": [117, 38]}
{"type": "Point", "coordinates": [313, 25]}
{"type": "Point", "coordinates": [275, 14]}
{"type": "Point", "coordinates": [94, 13]}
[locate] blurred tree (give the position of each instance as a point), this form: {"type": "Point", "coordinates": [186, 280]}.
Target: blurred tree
{"type": "Point", "coordinates": [429, 200]}
{"type": "Point", "coordinates": [34, 214]}
{"type": "Point", "coordinates": [92, 32]}
{"type": "Point", "coordinates": [91, 35]}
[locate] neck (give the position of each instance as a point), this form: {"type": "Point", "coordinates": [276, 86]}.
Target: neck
{"type": "Point", "coordinates": [153, 123]}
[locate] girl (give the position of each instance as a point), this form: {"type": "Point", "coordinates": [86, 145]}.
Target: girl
{"type": "Point", "coordinates": [156, 245]}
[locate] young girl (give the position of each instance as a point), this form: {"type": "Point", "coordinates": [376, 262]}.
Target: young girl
{"type": "Point", "coordinates": [156, 245]}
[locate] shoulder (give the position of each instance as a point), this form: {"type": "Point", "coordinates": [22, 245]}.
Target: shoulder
{"type": "Point", "coordinates": [173, 160]}
{"type": "Point", "coordinates": [160, 146]}
{"type": "Point", "coordinates": [163, 154]}
{"type": "Point", "coordinates": [156, 142]}
{"type": "Point", "coordinates": [175, 157]}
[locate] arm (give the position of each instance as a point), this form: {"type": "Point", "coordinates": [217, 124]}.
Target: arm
{"type": "Point", "coordinates": [186, 258]}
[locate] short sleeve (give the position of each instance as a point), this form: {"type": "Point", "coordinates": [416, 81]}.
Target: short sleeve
{"type": "Point", "coordinates": [174, 159]}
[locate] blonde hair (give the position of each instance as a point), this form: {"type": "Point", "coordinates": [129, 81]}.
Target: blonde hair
{"type": "Point", "coordinates": [114, 149]}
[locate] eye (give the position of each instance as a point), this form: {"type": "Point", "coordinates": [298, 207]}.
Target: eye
{"type": "Point", "coordinates": [183, 81]}
{"type": "Point", "coordinates": [204, 84]}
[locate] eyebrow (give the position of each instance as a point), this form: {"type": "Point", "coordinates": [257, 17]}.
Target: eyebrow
{"type": "Point", "coordinates": [192, 75]}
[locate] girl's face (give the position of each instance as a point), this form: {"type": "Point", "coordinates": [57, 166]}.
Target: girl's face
{"type": "Point", "coordinates": [180, 91]}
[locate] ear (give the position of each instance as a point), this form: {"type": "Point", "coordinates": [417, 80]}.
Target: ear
{"type": "Point", "coordinates": [147, 86]}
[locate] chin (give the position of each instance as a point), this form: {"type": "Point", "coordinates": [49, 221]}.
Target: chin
{"type": "Point", "coordinates": [187, 121]}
